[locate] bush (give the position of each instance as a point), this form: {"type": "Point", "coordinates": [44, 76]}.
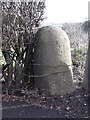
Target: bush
{"type": "Point", "coordinates": [20, 20]}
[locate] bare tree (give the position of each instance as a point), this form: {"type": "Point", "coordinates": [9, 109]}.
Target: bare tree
{"type": "Point", "coordinates": [20, 20]}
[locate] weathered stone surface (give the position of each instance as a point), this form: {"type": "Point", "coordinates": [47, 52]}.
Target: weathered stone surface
{"type": "Point", "coordinates": [53, 58]}
{"type": "Point", "coordinates": [86, 79]}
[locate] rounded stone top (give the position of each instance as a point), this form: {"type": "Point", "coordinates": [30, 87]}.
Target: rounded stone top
{"type": "Point", "coordinates": [51, 28]}
{"type": "Point", "coordinates": [52, 31]}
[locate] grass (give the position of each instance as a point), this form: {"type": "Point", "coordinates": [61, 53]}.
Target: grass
{"type": "Point", "coordinates": [79, 55]}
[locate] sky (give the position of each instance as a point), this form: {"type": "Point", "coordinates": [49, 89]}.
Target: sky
{"type": "Point", "coordinates": [61, 11]}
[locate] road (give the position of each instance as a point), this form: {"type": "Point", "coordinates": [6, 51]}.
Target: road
{"type": "Point", "coordinates": [22, 110]}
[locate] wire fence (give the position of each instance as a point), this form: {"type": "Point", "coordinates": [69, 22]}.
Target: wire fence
{"type": "Point", "coordinates": [50, 67]}
{"type": "Point", "coordinates": [47, 74]}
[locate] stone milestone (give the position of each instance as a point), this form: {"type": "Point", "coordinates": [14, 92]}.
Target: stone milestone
{"type": "Point", "coordinates": [52, 61]}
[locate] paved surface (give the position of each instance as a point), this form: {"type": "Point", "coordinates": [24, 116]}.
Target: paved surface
{"type": "Point", "coordinates": [16, 110]}
{"type": "Point", "coordinates": [31, 106]}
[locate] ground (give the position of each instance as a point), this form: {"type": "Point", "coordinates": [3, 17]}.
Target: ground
{"type": "Point", "coordinates": [44, 105]}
